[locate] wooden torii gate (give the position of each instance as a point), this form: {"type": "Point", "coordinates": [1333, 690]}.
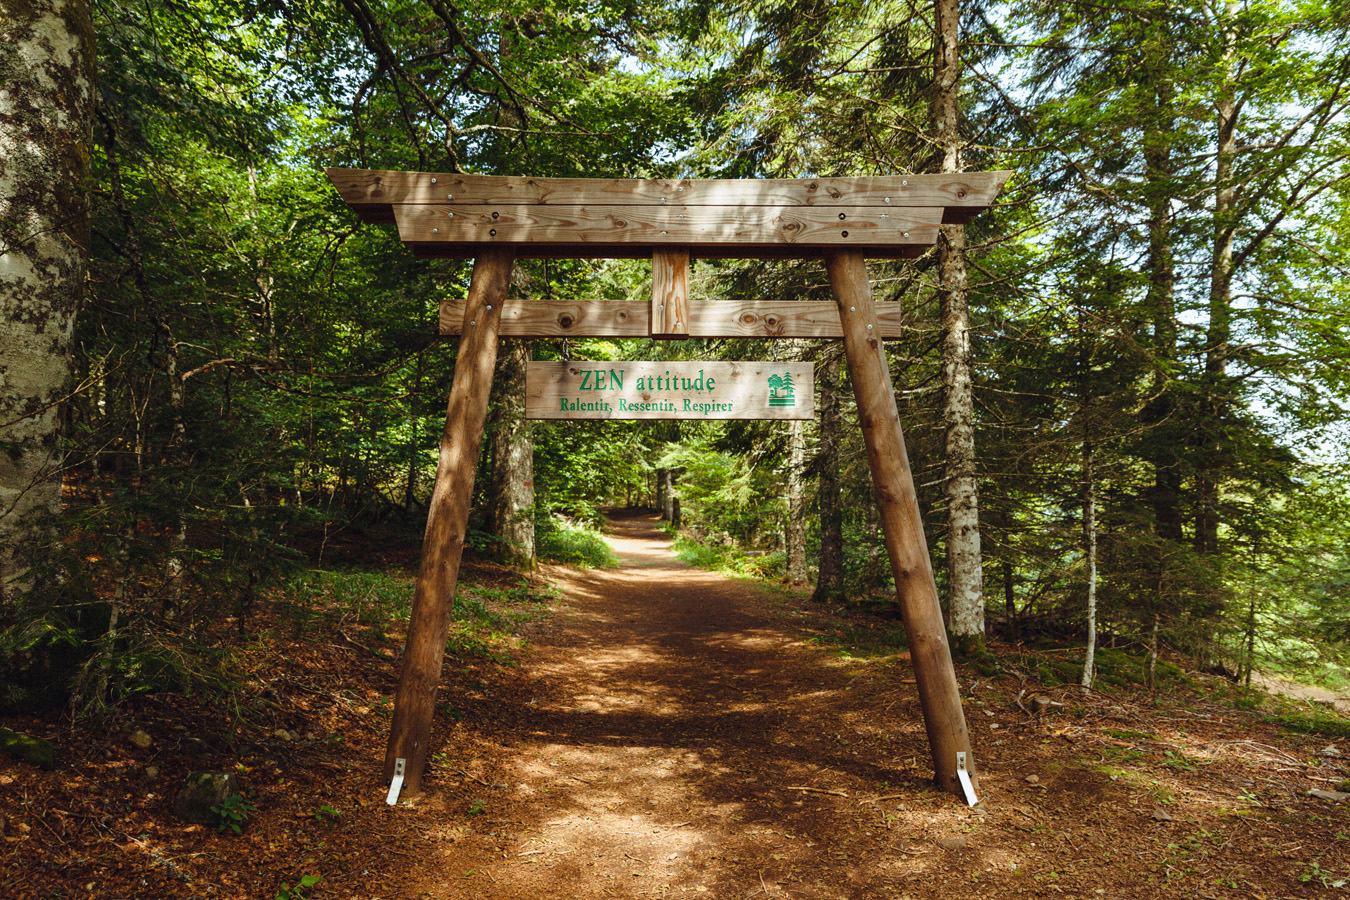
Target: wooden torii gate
{"type": "Point", "coordinates": [843, 221]}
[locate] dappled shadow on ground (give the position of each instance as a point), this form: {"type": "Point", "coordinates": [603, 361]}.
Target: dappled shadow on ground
{"type": "Point", "coordinates": [679, 734]}
{"type": "Point", "coordinates": [668, 733]}
{"type": "Point", "coordinates": [674, 732]}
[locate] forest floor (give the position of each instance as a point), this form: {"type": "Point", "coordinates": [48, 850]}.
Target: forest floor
{"type": "Point", "coordinates": [670, 732]}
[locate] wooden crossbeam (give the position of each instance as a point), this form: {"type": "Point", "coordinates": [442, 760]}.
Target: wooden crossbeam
{"type": "Point", "coordinates": [590, 229]}
{"type": "Point", "coordinates": [373, 193]}
{"type": "Point", "coordinates": [633, 319]}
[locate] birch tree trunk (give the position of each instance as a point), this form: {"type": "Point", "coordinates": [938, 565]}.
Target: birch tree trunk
{"type": "Point", "coordinates": [830, 576]}
{"type": "Point", "coordinates": [46, 127]}
{"type": "Point", "coordinates": [965, 577]}
{"type": "Point", "coordinates": [796, 496]}
{"type": "Point", "coordinates": [511, 490]}
{"type": "Point", "coordinates": [1090, 551]}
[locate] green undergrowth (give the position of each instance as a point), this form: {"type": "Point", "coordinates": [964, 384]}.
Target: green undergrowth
{"type": "Point", "coordinates": [1115, 668]}
{"type": "Point", "coordinates": [573, 544]}
{"type": "Point", "coordinates": [862, 639]}
{"type": "Point", "coordinates": [1322, 722]}
{"type": "Point", "coordinates": [729, 560]}
{"type": "Point", "coordinates": [482, 625]}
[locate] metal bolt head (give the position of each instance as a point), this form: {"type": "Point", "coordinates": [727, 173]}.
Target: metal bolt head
{"type": "Point", "coordinates": [489, 306]}
{"type": "Point", "coordinates": [842, 217]}
{"type": "Point", "coordinates": [435, 231]}
{"type": "Point", "coordinates": [853, 309]}
{"type": "Point", "coordinates": [473, 322]}
{"type": "Point", "coordinates": [433, 181]}
{"type": "Point", "coordinates": [493, 232]}
{"type": "Point", "coordinates": [449, 196]}
{"type": "Point", "coordinates": [904, 183]}
{"type": "Point", "coordinates": [888, 199]}
{"type": "Point", "coordinates": [869, 327]}
{"type": "Point", "coordinates": [906, 234]}
{"type": "Point", "coordinates": [678, 324]}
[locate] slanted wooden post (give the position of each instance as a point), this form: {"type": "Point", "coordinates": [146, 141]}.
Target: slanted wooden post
{"type": "Point", "coordinates": [939, 693]}
{"type": "Point", "coordinates": [443, 543]}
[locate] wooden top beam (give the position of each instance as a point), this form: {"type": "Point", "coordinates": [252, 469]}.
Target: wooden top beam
{"type": "Point", "coordinates": [374, 193]}
{"type": "Point", "coordinates": [668, 225]}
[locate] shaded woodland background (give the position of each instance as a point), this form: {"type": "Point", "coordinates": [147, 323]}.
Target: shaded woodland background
{"type": "Point", "coordinates": [1158, 313]}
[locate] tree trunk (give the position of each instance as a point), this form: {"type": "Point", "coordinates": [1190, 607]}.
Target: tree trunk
{"type": "Point", "coordinates": [1090, 552]}
{"type": "Point", "coordinates": [1219, 335]}
{"type": "Point", "coordinates": [965, 577]}
{"type": "Point", "coordinates": [511, 490]}
{"type": "Point", "coordinates": [830, 574]}
{"type": "Point", "coordinates": [414, 448]}
{"type": "Point", "coordinates": [46, 127]}
{"type": "Point", "coordinates": [1250, 664]}
{"type": "Point", "coordinates": [796, 496]}
{"type": "Point", "coordinates": [1153, 655]}
{"type": "Point", "coordinates": [1161, 303]}
{"type": "Point", "coordinates": [661, 495]}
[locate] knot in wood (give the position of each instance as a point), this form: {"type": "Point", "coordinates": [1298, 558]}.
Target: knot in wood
{"type": "Point", "coordinates": [565, 321]}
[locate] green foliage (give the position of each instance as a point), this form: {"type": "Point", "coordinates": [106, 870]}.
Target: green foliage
{"type": "Point", "coordinates": [369, 597]}
{"type": "Point", "coordinates": [327, 812]}
{"type": "Point", "coordinates": [286, 892]}
{"type": "Point", "coordinates": [258, 387]}
{"type": "Point", "coordinates": [233, 812]}
{"type": "Point", "coordinates": [724, 496]}
{"type": "Point", "coordinates": [561, 541]}
{"type": "Point", "coordinates": [1323, 723]}
{"type": "Point", "coordinates": [727, 558]}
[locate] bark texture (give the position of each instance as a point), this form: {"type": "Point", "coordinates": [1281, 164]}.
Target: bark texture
{"type": "Point", "coordinates": [511, 492]}
{"type": "Point", "coordinates": [1219, 334]}
{"type": "Point", "coordinates": [830, 576]}
{"type": "Point", "coordinates": [46, 127]}
{"type": "Point", "coordinates": [965, 576]}
{"type": "Point", "coordinates": [796, 497]}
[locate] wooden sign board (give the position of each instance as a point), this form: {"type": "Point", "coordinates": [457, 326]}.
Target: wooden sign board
{"type": "Point", "coordinates": [583, 389]}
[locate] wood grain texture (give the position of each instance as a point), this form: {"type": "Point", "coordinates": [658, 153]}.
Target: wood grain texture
{"type": "Point", "coordinates": [447, 520]}
{"type": "Point", "coordinates": [371, 192]}
{"type": "Point", "coordinates": [939, 693]}
{"type": "Point", "coordinates": [723, 250]}
{"type": "Point", "coordinates": [794, 319]}
{"type": "Point", "coordinates": [716, 319]}
{"type": "Point", "coordinates": [668, 227]}
{"type": "Point", "coordinates": [558, 318]}
{"type": "Point", "coordinates": [670, 293]}
{"type": "Point", "coordinates": [622, 389]}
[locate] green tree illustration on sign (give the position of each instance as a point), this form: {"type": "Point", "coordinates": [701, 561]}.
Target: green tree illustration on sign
{"type": "Point", "coordinates": [782, 392]}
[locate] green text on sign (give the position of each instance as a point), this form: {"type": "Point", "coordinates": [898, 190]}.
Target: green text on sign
{"type": "Point", "coordinates": [581, 389]}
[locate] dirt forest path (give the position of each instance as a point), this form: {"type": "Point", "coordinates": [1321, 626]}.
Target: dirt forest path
{"type": "Point", "coordinates": [674, 733]}
{"type": "Point", "coordinates": [681, 738]}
